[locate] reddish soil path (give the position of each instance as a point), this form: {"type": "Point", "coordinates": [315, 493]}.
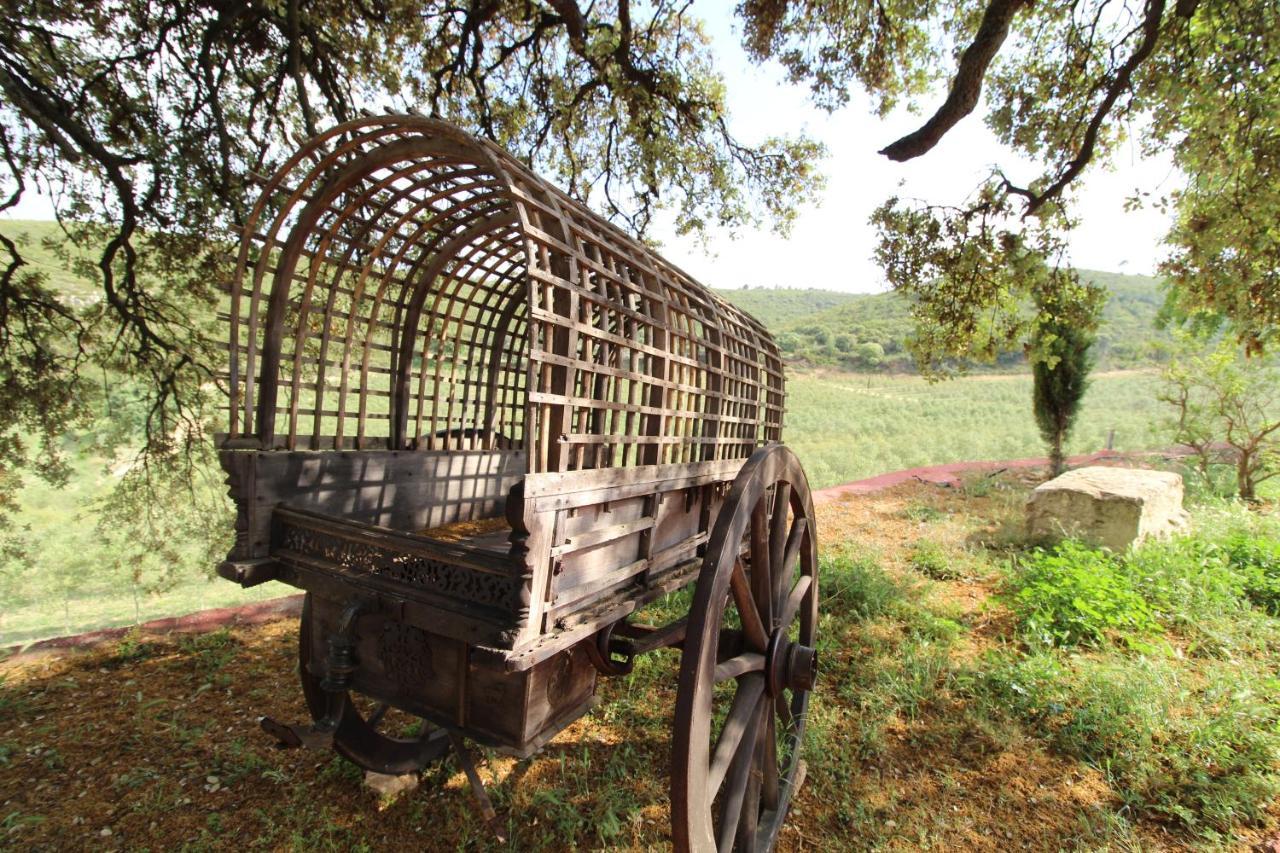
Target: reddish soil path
{"type": "Point", "coordinates": [286, 607]}
{"type": "Point", "coordinates": [949, 474]}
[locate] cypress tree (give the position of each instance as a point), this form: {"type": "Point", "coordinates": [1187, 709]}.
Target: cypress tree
{"type": "Point", "coordinates": [1061, 377]}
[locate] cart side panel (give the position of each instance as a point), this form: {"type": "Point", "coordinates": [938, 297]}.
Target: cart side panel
{"type": "Point", "coordinates": [399, 663]}
{"type": "Point", "coordinates": [434, 677]}
{"type": "Point", "coordinates": [614, 533]}
{"type": "Point", "coordinates": [401, 490]}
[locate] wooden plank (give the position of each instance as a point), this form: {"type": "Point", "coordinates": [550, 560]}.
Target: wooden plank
{"type": "Point", "coordinates": [601, 535]}
{"type": "Point", "coordinates": [563, 483]}
{"type": "Point", "coordinates": [400, 490]}
{"type": "Point", "coordinates": [606, 484]}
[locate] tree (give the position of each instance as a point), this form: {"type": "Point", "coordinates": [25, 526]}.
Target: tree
{"type": "Point", "coordinates": [789, 342]}
{"type": "Point", "coordinates": [1226, 408]}
{"type": "Point", "coordinates": [1060, 368]}
{"type": "Point", "coordinates": [1066, 85]}
{"type": "Point", "coordinates": [146, 121]}
{"type": "Point", "coordinates": [870, 353]}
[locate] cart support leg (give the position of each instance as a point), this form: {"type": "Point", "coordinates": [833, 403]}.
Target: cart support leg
{"type": "Point", "coordinates": [477, 785]}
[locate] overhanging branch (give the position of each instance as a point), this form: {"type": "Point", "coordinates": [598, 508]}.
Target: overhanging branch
{"type": "Point", "coordinates": [967, 85]}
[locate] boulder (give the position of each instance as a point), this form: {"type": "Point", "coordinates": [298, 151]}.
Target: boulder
{"type": "Point", "coordinates": [1108, 507]}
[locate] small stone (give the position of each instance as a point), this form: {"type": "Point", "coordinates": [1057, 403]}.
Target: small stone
{"type": "Point", "coordinates": [106, 832]}
{"type": "Point", "coordinates": [387, 785]}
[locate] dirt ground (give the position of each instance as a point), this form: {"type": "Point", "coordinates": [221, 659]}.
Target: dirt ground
{"type": "Point", "coordinates": [152, 743]}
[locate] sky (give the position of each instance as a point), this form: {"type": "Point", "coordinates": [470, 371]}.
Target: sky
{"type": "Point", "coordinates": [832, 241]}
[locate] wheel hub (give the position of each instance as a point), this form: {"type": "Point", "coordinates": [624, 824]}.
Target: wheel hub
{"type": "Point", "coordinates": [789, 665]}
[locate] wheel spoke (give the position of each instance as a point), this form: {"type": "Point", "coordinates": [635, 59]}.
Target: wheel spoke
{"type": "Point", "coordinates": [761, 583]}
{"type": "Point", "coordinates": [783, 708]}
{"type": "Point", "coordinates": [792, 554]}
{"type": "Point", "coordinates": [778, 537]}
{"type": "Point", "coordinates": [794, 601]}
{"type": "Point", "coordinates": [769, 784]}
{"type": "Point", "coordinates": [752, 625]}
{"type": "Point", "coordinates": [750, 813]}
{"type": "Point", "coordinates": [745, 701]}
{"type": "Point", "coordinates": [736, 667]}
{"type": "Point", "coordinates": [739, 778]}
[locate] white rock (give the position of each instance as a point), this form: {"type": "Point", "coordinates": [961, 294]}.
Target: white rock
{"type": "Point", "coordinates": [1109, 507]}
{"type": "Point", "coordinates": [388, 786]}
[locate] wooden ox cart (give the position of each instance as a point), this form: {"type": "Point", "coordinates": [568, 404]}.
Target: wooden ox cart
{"type": "Point", "coordinates": [482, 427]}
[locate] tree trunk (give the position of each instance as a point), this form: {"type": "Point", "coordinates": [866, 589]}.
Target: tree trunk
{"type": "Point", "coordinates": [1244, 477]}
{"type": "Point", "coordinates": [1057, 463]}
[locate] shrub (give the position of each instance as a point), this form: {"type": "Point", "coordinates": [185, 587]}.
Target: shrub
{"type": "Point", "coordinates": [1185, 580]}
{"type": "Point", "coordinates": [1073, 595]}
{"type": "Point", "coordinates": [1257, 559]}
{"type": "Point", "coordinates": [929, 559]}
{"type": "Point", "coordinates": [871, 353]}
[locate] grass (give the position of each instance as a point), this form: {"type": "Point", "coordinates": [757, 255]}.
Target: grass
{"type": "Point", "coordinates": [43, 243]}
{"type": "Point", "coordinates": [941, 722]}
{"type": "Point", "coordinates": [76, 584]}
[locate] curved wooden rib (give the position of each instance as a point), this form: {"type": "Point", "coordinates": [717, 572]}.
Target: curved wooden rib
{"type": "Point", "coordinates": [403, 285]}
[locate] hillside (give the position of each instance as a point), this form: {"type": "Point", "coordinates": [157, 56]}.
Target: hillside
{"type": "Point", "coordinates": [778, 308]}
{"type": "Point", "coordinates": [45, 248]}
{"type": "Point", "coordinates": [869, 330]}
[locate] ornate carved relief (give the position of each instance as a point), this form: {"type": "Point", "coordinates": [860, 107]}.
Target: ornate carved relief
{"type": "Point", "coordinates": [405, 652]}
{"type": "Point", "coordinates": [412, 570]}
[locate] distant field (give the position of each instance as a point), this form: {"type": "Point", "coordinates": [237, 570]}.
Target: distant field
{"type": "Point", "coordinates": [847, 426]}
{"type": "Point", "coordinates": [75, 584]}
{"type": "Point", "coordinates": [844, 426]}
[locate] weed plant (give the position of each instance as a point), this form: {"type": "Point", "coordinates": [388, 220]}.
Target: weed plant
{"type": "Point", "coordinates": [1175, 696]}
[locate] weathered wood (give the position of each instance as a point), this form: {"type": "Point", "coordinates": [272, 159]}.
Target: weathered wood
{"type": "Point", "coordinates": [771, 684]}
{"type": "Point", "coordinates": [395, 262]}
{"type": "Point", "coordinates": [401, 490]}
{"type": "Point", "coordinates": [422, 331]}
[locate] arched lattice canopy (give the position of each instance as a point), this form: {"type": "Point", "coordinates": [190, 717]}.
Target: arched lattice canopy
{"type": "Point", "coordinates": [402, 285]}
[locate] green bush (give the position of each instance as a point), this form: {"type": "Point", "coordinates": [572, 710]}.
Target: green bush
{"type": "Point", "coordinates": [1186, 581]}
{"type": "Point", "coordinates": [1072, 595]}
{"type": "Point", "coordinates": [1257, 560]}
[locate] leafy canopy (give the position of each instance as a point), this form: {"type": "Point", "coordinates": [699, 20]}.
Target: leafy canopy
{"type": "Point", "coordinates": [1065, 85]}
{"type": "Point", "coordinates": [147, 121]}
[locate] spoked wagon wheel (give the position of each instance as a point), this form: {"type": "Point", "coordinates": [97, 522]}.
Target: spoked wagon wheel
{"type": "Point", "coordinates": [749, 663]}
{"type": "Point", "coordinates": [361, 735]}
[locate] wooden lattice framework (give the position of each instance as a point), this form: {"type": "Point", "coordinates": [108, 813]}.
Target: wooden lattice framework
{"type": "Point", "coordinates": [403, 286]}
